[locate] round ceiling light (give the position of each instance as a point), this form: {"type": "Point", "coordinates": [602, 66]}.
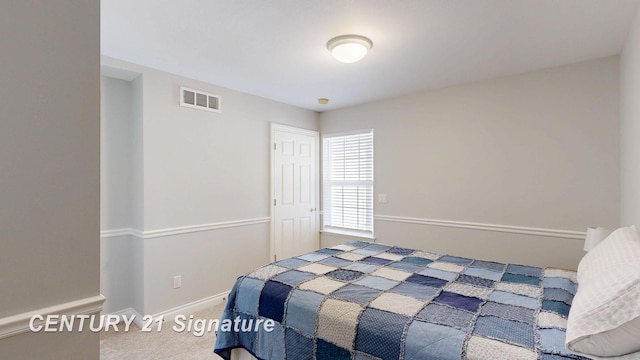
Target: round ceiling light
{"type": "Point", "coordinates": [349, 48]}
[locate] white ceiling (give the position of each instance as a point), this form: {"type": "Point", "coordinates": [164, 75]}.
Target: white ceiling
{"type": "Point", "coordinates": [277, 48]}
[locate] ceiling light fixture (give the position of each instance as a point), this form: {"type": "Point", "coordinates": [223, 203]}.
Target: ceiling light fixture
{"type": "Point", "coordinates": [349, 48]}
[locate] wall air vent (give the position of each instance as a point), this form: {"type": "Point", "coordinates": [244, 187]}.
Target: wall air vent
{"type": "Point", "coordinates": [197, 99]}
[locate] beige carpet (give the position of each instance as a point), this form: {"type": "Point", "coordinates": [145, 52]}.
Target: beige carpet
{"type": "Point", "coordinates": [164, 345]}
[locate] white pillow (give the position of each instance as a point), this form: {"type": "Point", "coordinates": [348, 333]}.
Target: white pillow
{"type": "Point", "coordinates": [605, 315]}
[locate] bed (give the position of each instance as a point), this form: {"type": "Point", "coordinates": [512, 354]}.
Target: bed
{"type": "Point", "coordinates": [363, 300]}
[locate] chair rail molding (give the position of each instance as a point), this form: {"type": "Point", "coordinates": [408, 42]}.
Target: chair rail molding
{"type": "Point", "coordinates": [557, 233]}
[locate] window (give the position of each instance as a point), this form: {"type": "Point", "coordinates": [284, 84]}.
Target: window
{"type": "Point", "coordinates": [347, 174]}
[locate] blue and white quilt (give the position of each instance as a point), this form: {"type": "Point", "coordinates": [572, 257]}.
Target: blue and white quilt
{"type": "Point", "coordinates": [367, 301]}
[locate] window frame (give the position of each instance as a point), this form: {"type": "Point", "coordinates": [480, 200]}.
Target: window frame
{"type": "Point", "coordinates": [326, 183]}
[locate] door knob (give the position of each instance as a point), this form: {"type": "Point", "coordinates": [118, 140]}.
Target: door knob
{"type": "Point", "coordinates": [313, 209]}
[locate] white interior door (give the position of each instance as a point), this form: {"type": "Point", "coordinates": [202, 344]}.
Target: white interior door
{"type": "Point", "coordinates": [295, 189]}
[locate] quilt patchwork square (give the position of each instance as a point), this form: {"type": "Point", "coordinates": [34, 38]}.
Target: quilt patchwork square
{"type": "Point", "coordinates": [456, 260]}
{"type": "Point", "coordinates": [509, 312]}
{"type": "Point", "coordinates": [556, 306]}
{"type": "Point", "coordinates": [322, 285]}
{"type": "Point", "coordinates": [343, 247]}
{"type": "Point", "coordinates": [297, 346]}
{"type": "Point", "coordinates": [507, 330]}
{"type": "Point", "coordinates": [389, 256]}
{"type": "Point", "coordinates": [481, 348]}
{"type": "Point", "coordinates": [356, 293]}
{"type": "Point", "coordinates": [268, 344]}
{"type": "Point", "coordinates": [420, 292]}
{"type": "Point", "coordinates": [329, 351]}
{"type": "Point", "coordinates": [451, 267]}
{"type": "Point", "coordinates": [377, 247]}
{"type": "Point", "coordinates": [337, 322]}
{"type": "Point", "coordinates": [316, 268]}
{"type": "Point", "coordinates": [438, 274]}
{"type": "Point", "coordinates": [522, 289]}
{"type": "Point", "coordinates": [345, 275]}
{"type": "Point", "coordinates": [272, 300]}
{"type": "Point", "coordinates": [552, 340]}
{"type": "Point", "coordinates": [375, 260]}
{"type": "Point", "coordinates": [458, 301]}
{"type": "Point", "coordinates": [508, 298]}
{"type": "Point", "coordinates": [441, 314]}
{"type": "Point", "coordinates": [392, 274]}
{"type": "Point", "coordinates": [468, 290]}
{"type": "Point", "coordinates": [560, 283]}
{"type": "Point", "coordinates": [377, 282]}
{"type": "Point", "coordinates": [405, 266]}
{"type": "Point", "coordinates": [365, 268]}
{"type": "Point", "coordinates": [267, 272]}
{"type": "Point", "coordinates": [426, 280]}
{"type": "Point", "coordinates": [366, 252]}
{"type": "Point", "coordinates": [292, 263]}
{"type": "Point", "coordinates": [483, 273]}
{"type": "Point", "coordinates": [301, 306]}
{"type": "Point", "coordinates": [433, 341]}
{"type": "Point", "coordinates": [358, 244]}
{"type": "Point", "coordinates": [350, 256]}
{"type": "Point", "coordinates": [418, 261]}
{"type": "Point", "coordinates": [396, 303]}
{"type": "Point", "coordinates": [426, 255]}
{"type": "Point", "coordinates": [489, 265]}
{"type": "Point", "coordinates": [293, 277]}
{"type": "Point", "coordinates": [327, 251]}
{"type": "Point", "coordinates": [248, 295]}
{"type": "Point", "coordinates": [520, 279]}
{"type": "Point", "coordinates": [549, 319]}
{"type": "Point", "coordinates": [558, 295]}
{"type": "Point", "coordinates": [379, 333]}
{"type": "Point", "coordinates": [400, 251]}
{"type": "Point", "coordinates": [524, 270]}
{"type": "Point", "coordinates": [477, 281]}
{"type": "Point", "coordinates": [312, 257]}
{"type": "Point", "coordinates": [335, 262]}
{"type": "Point", "coordinates": [571, 275]}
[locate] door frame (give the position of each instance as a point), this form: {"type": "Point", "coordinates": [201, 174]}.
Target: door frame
{"type": "Point", "coordinates": [292, 130]}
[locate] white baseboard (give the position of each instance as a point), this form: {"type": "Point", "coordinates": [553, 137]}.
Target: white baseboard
{"type": "Point", "coordinates": [170, 314]}
{"type": "Point", "coordinates": [556, 233]}
{"type": "Point", "coordinates": [19, 323]}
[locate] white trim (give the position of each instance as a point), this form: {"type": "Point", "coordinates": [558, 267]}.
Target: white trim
{"type": "Point", "coordinates": [19, 323]}
{"type": "Point", "coordinates": [181, 230]}
{"type": "Point", "coordinates": [204, 227]}
{"type": "Point", "coordinates": [556, 233]}
{"type": "Point", "coordinates": [349, 235]}
{"type": "Point", "coordinates": [170, 314]}
{"type": "Point", "coordinates": [293, 130]}
{"type": "Point", "coordinates": [120, 232]}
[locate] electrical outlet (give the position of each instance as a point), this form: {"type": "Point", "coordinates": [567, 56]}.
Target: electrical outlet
{"type": "Point", "coordinates": [177, 281]}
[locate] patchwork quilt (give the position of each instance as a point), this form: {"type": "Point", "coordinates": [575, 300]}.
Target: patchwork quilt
{"type": "Point", "coordinates": [365, 301]}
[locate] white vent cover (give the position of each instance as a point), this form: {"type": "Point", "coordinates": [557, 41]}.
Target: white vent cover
{"type": "Point", "coordinates": [197, 99]}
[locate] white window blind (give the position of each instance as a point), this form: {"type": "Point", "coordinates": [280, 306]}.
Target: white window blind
{"type": "Point", "coordinates": [348, 181]}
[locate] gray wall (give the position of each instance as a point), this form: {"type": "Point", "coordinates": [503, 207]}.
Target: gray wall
{"type": "Point", "coordinates": [537, 150]}
{"type": "Point", "coordinates": [120, 171]}
{"type": "Point", "coordinates": [49, 167]}
{"type": "Point", "coordinates": [630, 126]}
{"type": "Point", "coordinates": [198, 169]}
